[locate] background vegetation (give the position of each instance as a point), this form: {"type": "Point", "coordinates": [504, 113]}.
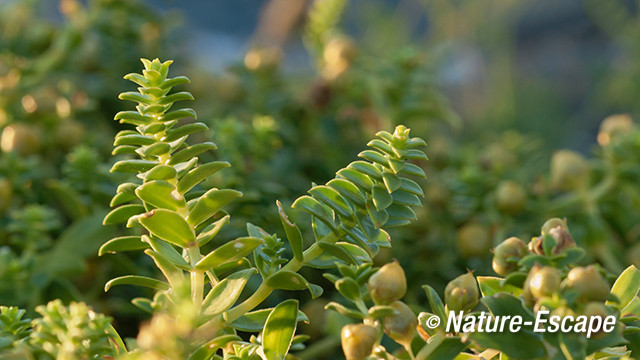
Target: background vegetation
{"type": "Point", "coordinates": [496, 88]}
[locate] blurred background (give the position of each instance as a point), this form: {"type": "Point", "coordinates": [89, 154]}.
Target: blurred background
{"type": "Point", "coordinates": [509, 95]}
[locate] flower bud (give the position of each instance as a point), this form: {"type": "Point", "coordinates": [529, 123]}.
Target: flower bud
{"type": "Point", "coordinates": [21, 138]}
{"type": "Point", "coordinates": [473, 240]}
{"type": "Point", "coordinates": [401, 326]}
{"type": "Point", "coordinates": [69, 133]}
{"type": "Point", "coordinates": [569, 170]}
{"type": "Point", "coordinates": [6, 193]}
{"type": "Point", "coordinates": [512, 247]}
{"type": "Point", "coordinates": [544, 282]}
{"type": "Point", "coordinates": [556, 228]}
{"type": "Point", "coordinates": [564, 240]}
{"type": "Point", "coordinates": [588, 283]}
{"type": "Point", "coordinates": [614, 126]}
{"type": "Point", "coordinates": [358, 340]}
{"type": "Point", "coordinates": [388, 284]}
{"type": "Point", "coordinates": [552, 224]}
{"type": "Point", "coordinates": [337, 56]}
{"type": "Point", "coordinates": [598, 310]}
{"type": "Point", "coordinates": [461, 294]}
{"type": "Point", "coordinates": [510, 197]}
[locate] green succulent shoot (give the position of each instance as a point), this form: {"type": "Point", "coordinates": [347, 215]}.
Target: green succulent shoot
{"type": "Point", "coordinates": [177, 219]}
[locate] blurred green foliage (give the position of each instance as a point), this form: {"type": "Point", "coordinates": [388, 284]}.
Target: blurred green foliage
{"type": "Point", "coordinates": [492, 169]}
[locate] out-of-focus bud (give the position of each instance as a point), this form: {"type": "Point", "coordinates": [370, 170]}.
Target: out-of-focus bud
{"type": "Point", "coordinates": [497, 158]}
{"type": "Point", "coordinates": [558, 230]}
{"type": "Point", "coordinates": [338, 54]}
{"type": "Point", "coordinates": [544, 282]}
{"type": "Point", "coordinates": [461, 294]}
{"type": "Point", "coordinates": [69, 133]}
{"type": "Point", "coordinates": [562, 312]}
{"type": "Point", "coordinates": [614, 126]}
{"type": "Point", "coordinates": [510, 197]}
{"type": "Point", "coordinates": [21, 138]}
{"type": "Point", "coordinates": [552, 224]}
{"type": "Point", "coordinates": [588, 283]}
{"type": "Point", "coordinates": [388, 284]}
{"type": "Point", "coordinates": [512, 247]}
{"type": "Point", "coordinates": [473, 240]}
{"type": "Point", "coordinates": [358, 340]}
{"type": "Point", "coordinates": [266, 58]}
{"type": "Point", "coordinates": [596, 310]}
{"type": "Point", "coordinates": [564, 240]}
{"type": "Point", "coordinates": [401, 326]}
{"type": "Point", "coordinates": [6, 193]}
{"type": "Point", "coordinates": [569, 170]}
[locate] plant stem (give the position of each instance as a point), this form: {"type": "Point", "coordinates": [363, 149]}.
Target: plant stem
{"type": "Point", "coordinates": [197, 278]}
{"type": "Point", "coordinates": [264, 290]}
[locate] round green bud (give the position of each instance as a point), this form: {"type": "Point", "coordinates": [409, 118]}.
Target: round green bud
{"type": "Point", "coordinates": [511, 247]}
{"type": "Point", "coordinates": [614, 126]}
{"type": "Point", "coordinates": [552, 224]}
{"type": "Point", "coordinates": [510, 197]}
{"type": "Point", "coordinates": [6, 193]}
{"type": "Point", "coordinates": [358, 340]}
{"type": "Point", "coordinates": [569, 170]}
{"type": "Point", "coordinates": [388, 284]}
{"type": "Point", "coordinates": [596, 310]}
{"type": "Point", "coordinates": [544, 282]}
{"type": "Point", "coordinates": [20, 138]}
{"type": "Point", "coordinates": [588, 283]}
{"type": "Point", "coordinates": [401, 326]}
{"type": "Point", "coordinates": [461, 294]}
{"type": "Point", "coordinates": [473, 240]}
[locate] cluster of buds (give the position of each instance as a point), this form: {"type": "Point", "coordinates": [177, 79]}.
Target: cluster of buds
{"type": "Point", "coordinates": [554, 239]}
{"type": "Point", "coordinates": [386, 287]}
{"type": "Point", "coordinates": [461, 294]}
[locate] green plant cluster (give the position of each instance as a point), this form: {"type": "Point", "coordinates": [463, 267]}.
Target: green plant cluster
{"type": "Point", "coordinates": [220, 298]}
{"type": "Point", "coordinates": [56, 97]}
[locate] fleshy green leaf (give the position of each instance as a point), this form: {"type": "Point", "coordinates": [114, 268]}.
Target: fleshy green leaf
{"type": "Point", "coordinates": [124, 243]}
{"type": "Point", "coordinates": [136, 280]}
{"type": "Point", "coordinates": [161, 194]}
{"type": "Point", "coordinates": [279, 330]}
{"type": "Point", "coordinates": [441, 347]}
{"type": "Point", "coordinates": [212, 230]}
{"type": "Point", "coordinates": [161, 172]}
{"type": "Point", "coordinates": [122, 214]}
{"type": "Point", "coordinates": [185, 130]}
{"type": "Point", "coordinates": [208, 349]}
{"type": "Point", "coordinates": [366, 168]}
{"type": "Point", "coordinates": [289, 280]}
{"type": "Point", "coordinates": [343, 310]}
{"type": "Point", "coordinates": [381, 198]}
{"type": "Point", "coordinates": [197, 175]}
{"type": "Point", "coordinates": [133, 166]}
{"type": "Point", "coordinates": [332, 199]}
{"type": "Point", "coordinates": [231, 251]}
{"type": "Point", "coordinates": [356, 177]}
{"type": "Point", "coordinates": [348, 191]}
{"type": "Point", "coordinates": [254, 321]}
{"type": "Point", "coordinates": [168, 226]}
{"type": "Point", "coordinates": [210, 203]}
{"type": "Point", "coordinates": [437, 307]}
{"type": "Point", "coordinates": [626, 286]}
{"type": "Point", "coordinates": [226, 292]}
{"type": "Point", "coordinates": [490, 286]}
{"type": "Point", "coordinates": [337, 251]}
{"type": "Point", "coordinates": [349, 288]}
{"type": "Point", "coordinates": [294, 236]}
{"type": "Point", "coordinates": [190, 152]}
{"type": "Point", "coordinates": [315, 208]}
